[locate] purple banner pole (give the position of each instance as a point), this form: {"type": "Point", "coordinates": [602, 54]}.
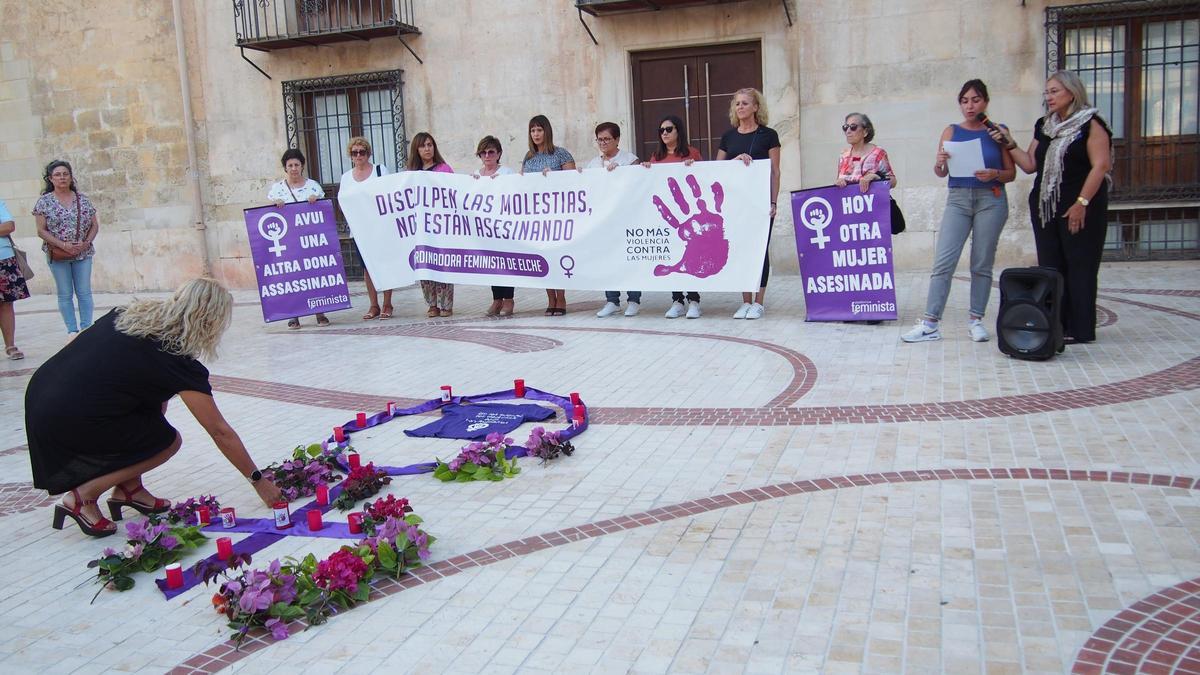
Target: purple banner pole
{"type": "Point", "coordinates": [844, 243]}
{"type": "Point", "coordinates": [297, 259]}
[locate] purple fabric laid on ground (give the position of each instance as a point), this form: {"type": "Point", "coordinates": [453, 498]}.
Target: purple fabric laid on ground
{"type": "Point", "coordinates": [262, 530]}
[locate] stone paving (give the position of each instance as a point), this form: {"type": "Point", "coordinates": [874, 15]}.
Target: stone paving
{"type": "Point", "coordinates": [750, 496]}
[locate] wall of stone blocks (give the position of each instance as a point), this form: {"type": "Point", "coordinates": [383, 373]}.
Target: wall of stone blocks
{"type": "Point", "coordinates": [106, 96]}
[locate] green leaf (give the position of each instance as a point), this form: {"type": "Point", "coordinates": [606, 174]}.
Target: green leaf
{"type": "Point", "coordinates": [469, 467]}
{"type": "Point", "coordinates": [309, 597]}
{"type": "Point", "coordinates": [463, 477]}
{"type": "Point", "coordinates": [314, 450]}
{"type": "Point", "coordinates": [387, 555]}
{"type": "Point", "coordinates": [278, 609]}
{"type": "Point", "coordinates": [363, 592]}
{"type": "Point", "coordinates": [413, 519]}
{"type": "Point", "coordinates": [122, 583]}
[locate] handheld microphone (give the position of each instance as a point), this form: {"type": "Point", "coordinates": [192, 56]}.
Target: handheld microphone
{"type": "Point", "coordinates": [983, 119]}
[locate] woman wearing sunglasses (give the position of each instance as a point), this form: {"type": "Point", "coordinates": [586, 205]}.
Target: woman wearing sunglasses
{"type": "Point", "coordinates": [673, 147]}
{"type": "Point", "coordinates": [976, 206]}
{"type": "Point", "coordinates": [489, 151]}
{"type": "Point", "coordinates": [361, 170]}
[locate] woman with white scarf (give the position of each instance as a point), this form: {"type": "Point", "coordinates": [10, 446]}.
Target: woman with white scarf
{"type": "Point", "coordinates": [1071, 152]}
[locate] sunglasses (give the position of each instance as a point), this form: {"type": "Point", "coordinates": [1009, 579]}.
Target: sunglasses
{"type": "Point", "coordinates": [358, 153]}
{"type": "Point", "coordinates": [665, 130]}
{"type": "Point", "coordinates": [851, 127]}
{"type": "Point", "coordinates": [488, 153]}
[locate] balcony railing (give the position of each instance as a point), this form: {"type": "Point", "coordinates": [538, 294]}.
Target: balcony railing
{"type": "Point", "coordinates": [267, 25]}
{"type": "Point", "coordinates": [607, 7]}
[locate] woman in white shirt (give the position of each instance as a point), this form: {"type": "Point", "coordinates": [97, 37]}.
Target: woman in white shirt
{"type": "Point", "coordinates": [361, 170]}
{"type": "Point", "coordinates": [489, 151]}
{"type": "Point", "coordinates": [295, 188]}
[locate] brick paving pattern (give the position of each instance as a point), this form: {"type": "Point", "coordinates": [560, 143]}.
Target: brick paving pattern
{"type": "Point", "coordinates": [765, 496]}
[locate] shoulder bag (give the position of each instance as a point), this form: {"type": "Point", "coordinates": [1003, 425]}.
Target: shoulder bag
{"type": "Point", "coordinates": [58, 254]}
{"type": "Point", "coordinates": [22, 260]}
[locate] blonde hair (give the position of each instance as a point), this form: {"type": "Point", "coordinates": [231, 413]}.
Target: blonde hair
{"type": "Point", "coordinates": [1071, 82]}
{"type": "Point", "coordinates": [190, 323]}
{"type": "Point", "coordinates": [760, 115]}
{"type": "Point", "coordinates": [359, 140]}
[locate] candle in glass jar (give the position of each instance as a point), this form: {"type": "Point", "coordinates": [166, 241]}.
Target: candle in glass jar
{"type": "Point", "coordinates": [446, 393]}
{"type": "Point", "coordinates": [322, 495]}
{"type": "Point", "coordinates": [519, 388]}
{"type": "Point", "coordinates": [203, 517]}
{"type": "Point", "coordinates": [353, 459]}
{"type": "Point", "coordinates": [361, 420]}
{"type": "Point", "coordinates": [339, 435]}
{"type": "Point", "coordinates": [174, 575]}
{"type": "Point", "coordinates": [314, 520]}
{"type": "Point", "coordinates": [283, 518]}
{"type": "Point", "coordinates": [224, 548]}
{"type": "Point", "coordinates": [355, 523]}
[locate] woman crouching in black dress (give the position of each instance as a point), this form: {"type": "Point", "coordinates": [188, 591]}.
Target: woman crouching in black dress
{"type": "Point", "coordinates": [123, 370]}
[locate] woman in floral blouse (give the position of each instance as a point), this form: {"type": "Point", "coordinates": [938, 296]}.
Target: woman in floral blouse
{"type": "Point", "coordinates": [66, 221]}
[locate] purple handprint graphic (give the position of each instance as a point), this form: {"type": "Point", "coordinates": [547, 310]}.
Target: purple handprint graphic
{"type": "Point", "coordinates": [707, 249]}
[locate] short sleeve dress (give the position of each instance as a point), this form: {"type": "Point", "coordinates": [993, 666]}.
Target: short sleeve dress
{"type": "Point", "coordinates": [96, 406]}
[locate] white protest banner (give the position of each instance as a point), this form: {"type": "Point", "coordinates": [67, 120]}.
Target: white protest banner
{"type": "Point", "coordinates": [702, 227]}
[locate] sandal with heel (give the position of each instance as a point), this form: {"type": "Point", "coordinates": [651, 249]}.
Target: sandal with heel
{"type": "Point", "coordinates": [372, 313]}
{"type": "Point", "coordinates": [114, 505]}
{"type": "Point", "coordinates": [387, 312]}
{"type": "Point", "coordinates": [101, 528]}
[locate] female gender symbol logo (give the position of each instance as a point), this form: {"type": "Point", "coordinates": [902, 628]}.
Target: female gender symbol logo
{"type": "Point", "coordinates": [273, 232]}
{"type": "Point", "coordinates": [562, 262]}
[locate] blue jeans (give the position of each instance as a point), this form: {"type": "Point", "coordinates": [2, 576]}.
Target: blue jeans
{"type": "Point", "coordinates": [615, 296]}
{"type": "Point", "coordinates": [73, 278]}
{"type": "Point", "coordinates": [980, 214]}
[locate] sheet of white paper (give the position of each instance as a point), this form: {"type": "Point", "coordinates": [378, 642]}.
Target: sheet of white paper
{"type": "Point", "coordinates": [966, 157]}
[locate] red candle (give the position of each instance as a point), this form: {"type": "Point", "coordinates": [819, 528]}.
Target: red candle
{"type": "Point", "coordinates": [339, 435]}
{"type": "Point", "coordinates": [322, 495]}
{"type": "Point", "coordinates": [224, 548]}
{"type": "Point", "coordinates": [228, 517]}
{"type": "Point", "coordinates": [446, 393]}
{"type": "Point", "coordinates": [354, 459]}
{"type": "Point", "coordinates": [283, 518]}
{"type": "Point", "coordinates": [575, 400]}
{"type": "Point", "coordinates": [355, 521]}
{"type": "Point", "coordinates": [203, 517]}
{"type": "Point", "coordinates": [579, 416]}
{"type": "Point", "coordinates": [391, 408]}
{"type": "Point", "coordinates": [174, 575]}
{"type": "Point", "coordinates": [519, 388]}
{"type": "Point", "coordinates": [314, 520]}
{"type": "Point", "coordinates": [362, 420]}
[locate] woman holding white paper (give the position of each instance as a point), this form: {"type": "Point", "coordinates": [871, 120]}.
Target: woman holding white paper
{"type": "Point", "coordinates": [976, 206]}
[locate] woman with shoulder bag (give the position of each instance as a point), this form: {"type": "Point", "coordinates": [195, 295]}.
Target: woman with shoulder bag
{"type": "Point", "coordinates": [12, 284]}
{"type": "Point", "coordinates": [66, 221]}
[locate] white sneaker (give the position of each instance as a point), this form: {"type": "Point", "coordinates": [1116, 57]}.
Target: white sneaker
{"type": "Point", "coordinates": [741, 312]}
{"type": "Point", "coordinates": [676, 310]}
{"type": "Point", "coordinates": [976, 330]}
{"type": "Point", "coordinates": [756, 311]}
{"type": "Point", "coordinates": [693, 310]}
{"type": "Point", "coordinates": [922, 333]}
{"type": "Point", "coordinates": [633, 308]}
{"type": "Point", "coordinates": [607, 310]}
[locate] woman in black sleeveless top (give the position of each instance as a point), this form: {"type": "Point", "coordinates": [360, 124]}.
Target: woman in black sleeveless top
{"type": "Point", "coordinates": [1071, 152]}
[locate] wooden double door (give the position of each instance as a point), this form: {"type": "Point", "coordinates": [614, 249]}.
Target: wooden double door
{"type": "Point", "coordinates": [694, 83]}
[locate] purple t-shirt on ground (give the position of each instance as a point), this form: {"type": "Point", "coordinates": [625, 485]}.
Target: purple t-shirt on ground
{"type": "Point", "coordinates": [475, 421]}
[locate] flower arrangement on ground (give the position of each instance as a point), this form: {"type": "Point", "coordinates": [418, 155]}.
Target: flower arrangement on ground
{"type": "Point", "coordinates": [547, 445]}
{"type": "Point", "coordinates": [481, 460]}
{"type": "Point", "coordinates": [310, 466]}
{"type": "Point", "coordinates": [384, 508]}
{"type": "Point", "coordinates": [149, 546]}
{"type": "Point", "coordinates": [312, 589]}
{"type": "Point", "coordinates": [184, 513]}
{"type": "Point", "coordinates": [365, 481]}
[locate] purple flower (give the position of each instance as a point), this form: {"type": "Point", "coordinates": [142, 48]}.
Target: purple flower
{"type": "Point", "coordinates": [278, 629]}
{"type": "Point", "coordinates": [108, 552]}
{"type": "Point", "coordinates": [273, 567]}
{"type": "Point", "coordinates": [136, 530]}
{"type": "Point", "coordinates": [168, 542]}
{"type": "Point", "coordinates": [256, 598]}
{"type": "Point", "coordinates": [134, 551]}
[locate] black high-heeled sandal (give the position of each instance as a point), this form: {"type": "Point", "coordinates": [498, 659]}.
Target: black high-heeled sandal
{"type": "Point", "coordinates": [101, 528]}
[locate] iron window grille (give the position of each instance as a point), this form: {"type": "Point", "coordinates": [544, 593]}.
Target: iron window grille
{"type": "Point", "coordinates": [1140, 62]}
{"type": "Point", "coordinates": [323, 114]}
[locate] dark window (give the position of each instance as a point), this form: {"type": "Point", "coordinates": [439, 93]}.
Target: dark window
{"type": "Point", "coordinates": [323, 114]}
{"type": "Point", "coordinates": [1140, 61]}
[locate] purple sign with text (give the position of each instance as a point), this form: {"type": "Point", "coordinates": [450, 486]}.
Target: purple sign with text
{"type": "Point", "coordinates": [298, 259]}
{"type": "Point", "coordinates": [844, 242]}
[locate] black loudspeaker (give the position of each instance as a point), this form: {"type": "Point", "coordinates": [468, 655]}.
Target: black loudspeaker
{"type": "Point", "coordinates": [1029, 325]}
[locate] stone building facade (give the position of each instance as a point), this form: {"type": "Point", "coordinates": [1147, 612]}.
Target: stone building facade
{"type": "Point", "coordinates": [171, 176]}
